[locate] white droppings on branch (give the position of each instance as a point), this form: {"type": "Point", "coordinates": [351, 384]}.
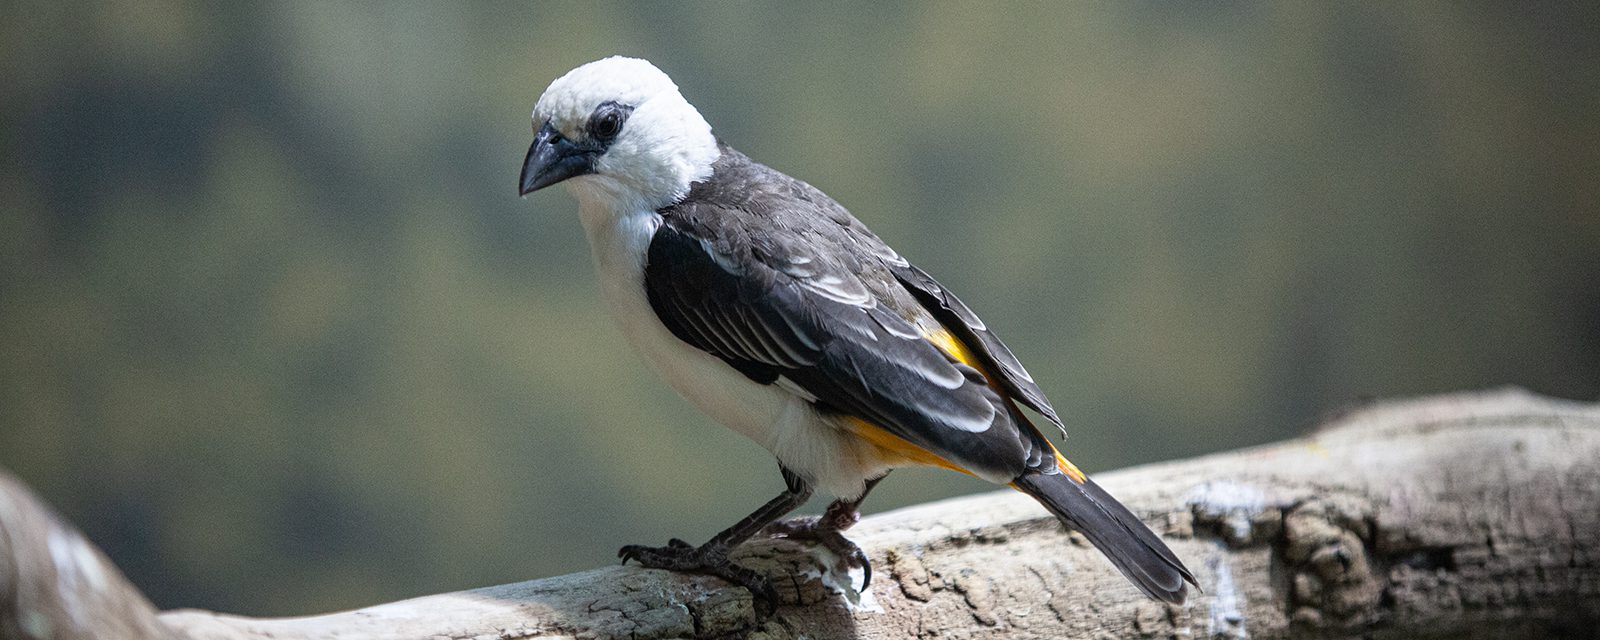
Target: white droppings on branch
{"type": "Point", "coordinates": [1233, 504]}
{"type": "Point", "coordinates": [1227, 619]}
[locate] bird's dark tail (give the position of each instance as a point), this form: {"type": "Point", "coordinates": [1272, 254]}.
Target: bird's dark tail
{"type": "Point", "coordinates": [1131, 546]}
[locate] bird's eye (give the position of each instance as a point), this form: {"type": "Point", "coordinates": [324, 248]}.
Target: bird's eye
{"type": "Point", "coordinates": [607, 121]}
{"type": "Point", "coordinates": [606, 125]}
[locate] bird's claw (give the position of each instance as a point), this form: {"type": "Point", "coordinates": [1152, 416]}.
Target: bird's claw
{"type": "Point", "coordinates": [682, 556]}
{"type": "Point", "coordinates": [814, 529]}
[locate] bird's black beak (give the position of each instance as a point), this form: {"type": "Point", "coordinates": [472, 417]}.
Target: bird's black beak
{"type": "Point", "coordinates": [554, 158]}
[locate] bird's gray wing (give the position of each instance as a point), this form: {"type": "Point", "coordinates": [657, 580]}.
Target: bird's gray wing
{"type": "Point", "coordinates": [972, 332]}
{"type": "Point", "coordinates": [802, 315]}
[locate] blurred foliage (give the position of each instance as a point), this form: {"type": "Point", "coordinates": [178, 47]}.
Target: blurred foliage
{"type": "Point", "coordinates": [278, 334]}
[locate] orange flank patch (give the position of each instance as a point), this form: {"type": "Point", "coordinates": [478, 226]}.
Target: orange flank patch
{"type": "Point", "coordinates": [895, 449]}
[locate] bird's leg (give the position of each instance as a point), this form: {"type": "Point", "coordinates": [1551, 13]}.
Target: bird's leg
{"type": "Point", "coordinates": [826, 531]}
{"type": "Point", "coordinates": [712, 557]}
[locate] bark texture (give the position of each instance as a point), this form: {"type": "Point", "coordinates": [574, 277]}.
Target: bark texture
{"type": "Point", "coordinates": [54, 585]}
{"type": "Point", "coordinates": [1471, 515]}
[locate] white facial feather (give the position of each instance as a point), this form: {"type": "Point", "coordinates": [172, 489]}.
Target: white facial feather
{"type": "Point", "coordinates": [665, 145]}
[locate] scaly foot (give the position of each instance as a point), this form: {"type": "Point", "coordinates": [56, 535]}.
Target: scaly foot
{"type": "Point", "coordinates": [825, 530]}
{"type": "Point", "coordinates": [682, 556]}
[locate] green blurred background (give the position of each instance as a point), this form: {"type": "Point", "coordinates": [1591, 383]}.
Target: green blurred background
{"type": "Point", "coordinates": [279, 336]}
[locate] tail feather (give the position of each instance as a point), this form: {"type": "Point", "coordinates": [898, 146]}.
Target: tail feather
{"type": "Point", "coordinates": [1135, 550]}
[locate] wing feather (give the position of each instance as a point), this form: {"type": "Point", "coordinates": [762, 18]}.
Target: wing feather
{"type": "Point", "coordinates": [780, 282]}
{"type": "Point", "coordinates": [836, 343]}
{"type": "Point", "coordinates": [972, 332]}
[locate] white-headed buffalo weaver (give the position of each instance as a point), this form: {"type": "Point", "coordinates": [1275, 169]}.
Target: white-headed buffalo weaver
{"type": "Point", "coordinates": [768, 306]}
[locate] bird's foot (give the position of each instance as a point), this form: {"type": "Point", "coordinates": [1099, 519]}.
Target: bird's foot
{"type": "Point", "coordinates": [682, 556]}
{"type": "Point", "coordinates": [825, 530]}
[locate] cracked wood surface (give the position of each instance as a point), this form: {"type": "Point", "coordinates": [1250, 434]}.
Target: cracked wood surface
{"type": "Point", "coordinates": [1469, 515]}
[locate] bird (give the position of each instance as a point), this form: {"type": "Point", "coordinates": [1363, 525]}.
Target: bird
{"type": "Point", "coordinates": [777, 313]}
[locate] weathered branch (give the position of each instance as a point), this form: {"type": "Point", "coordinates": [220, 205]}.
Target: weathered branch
{"type": "Point", "coordinates": [1473, 515]}
{"type": "Point", "coordinates": [55, 585]}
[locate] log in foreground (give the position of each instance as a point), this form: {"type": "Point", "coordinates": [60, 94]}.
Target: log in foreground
{"type": "Point", "coordinates": [1471, 515]}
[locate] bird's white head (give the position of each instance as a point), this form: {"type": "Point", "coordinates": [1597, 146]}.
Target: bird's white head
{"type": "Point", "coordinates": [618, 133]}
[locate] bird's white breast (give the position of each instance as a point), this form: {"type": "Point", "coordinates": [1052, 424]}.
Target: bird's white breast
{"type": "Point", "coordinates": [778, 420]}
